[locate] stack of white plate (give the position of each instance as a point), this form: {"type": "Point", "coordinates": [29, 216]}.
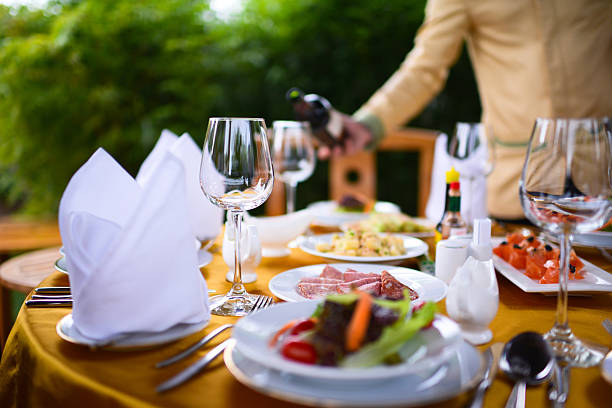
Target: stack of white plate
{"type": "Point", "coordinates": [441, 366]}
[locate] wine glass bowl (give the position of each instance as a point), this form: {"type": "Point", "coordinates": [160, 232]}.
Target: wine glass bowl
{"type": "Point", "coordinates": [294, 155]}
{"type": "Point", "coordinates": [236, 174]}
{"type": "Point", "coordinates": [566, 187]}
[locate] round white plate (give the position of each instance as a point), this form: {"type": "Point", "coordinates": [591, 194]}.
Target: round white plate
{"type": "Point", "coordinates": [204, 258]}
{"type": "Point", "coordinates": [458, 374]}
{"type": "Point", "coordinates": [66, 330]}
{"type": "Point", "coordinates": [327, 214]}
{"type": "Point", "coordinates": [61, 265]}
{"type": "Point", "coordinates": [429, 288]}
{"type": "Point", "coordinates": [414, 247]}
{"type": "Point", "coordinates": [252, 333]}
{"type": "Point", "coordinates": [606, 367]}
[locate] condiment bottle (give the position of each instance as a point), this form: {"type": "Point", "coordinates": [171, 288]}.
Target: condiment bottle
{"type": "Point", "coordinates": [451, 176]}
{"type": "Point", "coordinates": [452, 222]}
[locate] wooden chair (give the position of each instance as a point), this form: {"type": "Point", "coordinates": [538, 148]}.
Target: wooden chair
{"type": "Point", "coordinates": [18, 235]}
{"type": "Point", "coordinates": [363, 167]}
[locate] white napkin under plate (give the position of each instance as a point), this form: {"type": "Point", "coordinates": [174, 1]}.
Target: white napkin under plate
{"type": "Point", "coordinates": [206, 218]}
{"type": "Point", "coordinates": [130, 250]}
{"type": "Point", "coordinates": [472, 179]}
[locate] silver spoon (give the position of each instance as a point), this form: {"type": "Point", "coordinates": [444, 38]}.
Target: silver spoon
{"type": "Point", "coordinates": [527, 359]}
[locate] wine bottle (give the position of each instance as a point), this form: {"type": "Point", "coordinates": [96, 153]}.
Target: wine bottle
{"type": "Point", "coordinates": [325, 121]}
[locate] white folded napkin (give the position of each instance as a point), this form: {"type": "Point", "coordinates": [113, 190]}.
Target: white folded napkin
{"type": "Point", "coordinates": [206, 218]}
{"type": "Point", "coordinates": [130, 249]}
{"type": "Point", "coordinates": [472, 178]}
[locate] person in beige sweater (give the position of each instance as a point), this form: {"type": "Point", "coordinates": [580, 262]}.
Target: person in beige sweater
{"type": "Point", "coordinates": [532, 58]}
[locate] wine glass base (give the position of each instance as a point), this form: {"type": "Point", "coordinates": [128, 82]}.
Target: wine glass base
{"type": "Point", "coordinates": [232, 305]}
{"type": "Point", "coordinates": [572, 350]}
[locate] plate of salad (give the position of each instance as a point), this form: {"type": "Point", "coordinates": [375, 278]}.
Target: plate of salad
{"type": "Point", "coordinates": [349, 337]}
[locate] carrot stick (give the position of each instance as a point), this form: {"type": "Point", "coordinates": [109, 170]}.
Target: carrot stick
{"type": "Point", "coordinates": [280, 332]}
{"type": "Point", "coordinates": [358, 326]}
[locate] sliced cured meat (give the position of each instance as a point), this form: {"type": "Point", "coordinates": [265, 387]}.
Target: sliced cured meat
{"type": "Point", "coordinates": [346, 287]}
{"type": "Point", "coordinates": [331, 273]}
{"type": "Point", "coordinates": [372, 288]}
{"type": "Point", "coordinates": [318, 279]}
{"type": "Point", "coordinates": [316, 290]}
{"type": "Point", "coordinates": [352, 275]}
{"type": "Point", "coordinates": [394, 289]}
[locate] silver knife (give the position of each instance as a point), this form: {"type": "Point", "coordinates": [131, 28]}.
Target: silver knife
{"type": "Point", "coordinates": [49, 303]}
{"type": "Point", "coordinates": [491, 356]}
{"type": "Point", "coordinates": [193, 369]}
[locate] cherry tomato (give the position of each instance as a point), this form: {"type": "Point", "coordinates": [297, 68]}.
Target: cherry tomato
{"type": "Point", "coordinates": [302, 326]}
{"type": "Point", "coordinates": [299, 350]}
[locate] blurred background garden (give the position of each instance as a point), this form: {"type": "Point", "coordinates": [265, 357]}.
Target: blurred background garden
{"type": "Point", "coordinates": [76, 75]}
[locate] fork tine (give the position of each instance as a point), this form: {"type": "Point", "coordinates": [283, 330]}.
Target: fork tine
{"type": "Point", "coordinates": [256, 304]}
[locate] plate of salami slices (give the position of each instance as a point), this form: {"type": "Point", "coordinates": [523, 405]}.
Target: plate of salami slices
{"type": "Point", "coordinates": [317, 281]}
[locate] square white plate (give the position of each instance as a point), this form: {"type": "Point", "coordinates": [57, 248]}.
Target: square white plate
{"type": "Point", "coordinates": [595, 278]}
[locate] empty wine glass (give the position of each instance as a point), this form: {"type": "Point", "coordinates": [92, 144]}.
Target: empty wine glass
{"type": "Point", "coordinates": [566, 187]}
{"type": "Point", "coordinates": [236, 174]}
{"type": "Point", "coordinates": [473, 154]}
{"type": "Point", "coordinates": [294, 156]}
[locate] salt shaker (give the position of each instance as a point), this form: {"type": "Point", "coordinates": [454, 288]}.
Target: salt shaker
{"type": "Point", "coordinates": [450, 255]}
{"type": "Point", "coordinates": [250, 252]}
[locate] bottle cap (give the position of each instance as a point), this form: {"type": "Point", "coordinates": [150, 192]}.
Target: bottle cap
{"type": "Point", "coordinates": [482, 231]}
{"type": "Point", "coordinates": [452, 175]}
{"type": "Point", "coordinates": [454, 185]}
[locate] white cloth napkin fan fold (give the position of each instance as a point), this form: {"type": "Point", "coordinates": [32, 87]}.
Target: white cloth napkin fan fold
{"type": "Point", "coordinates": [472, 179]}
{"type": "Point", "coordinates": [206, 218]}
{"type": "Point", "coordinates": [130, 249]}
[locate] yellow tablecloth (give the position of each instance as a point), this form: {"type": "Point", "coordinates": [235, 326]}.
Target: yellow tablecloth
{"type": "Point", "coordinates": [39, 369]}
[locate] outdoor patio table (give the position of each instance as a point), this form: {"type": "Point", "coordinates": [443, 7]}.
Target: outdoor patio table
{"type": "Point", "coordinates": [39, 369]}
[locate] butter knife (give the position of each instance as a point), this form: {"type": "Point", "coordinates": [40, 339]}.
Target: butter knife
{"type": "Point", "coordinates": [491, 356]}
{"type": "Point", "coordinates": [193, 369]}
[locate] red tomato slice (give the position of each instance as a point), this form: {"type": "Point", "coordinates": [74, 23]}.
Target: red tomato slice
{"type": "Point", "coordinates": [532, 269]}
{"type": "Point", "coordinates": [299, 350]}
{"type": "Point", "coordinates": [303, 325]}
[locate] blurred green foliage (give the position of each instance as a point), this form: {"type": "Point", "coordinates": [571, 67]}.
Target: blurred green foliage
{"type": "Point", "coordinates": [114, 73]}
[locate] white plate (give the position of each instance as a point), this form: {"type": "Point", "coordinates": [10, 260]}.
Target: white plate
{"type": "Point", "coordinates": [595, 239]}
{"type": "Point", "coordinates": [61, 265]}
{"type": "Point", "coordinates": [66, 330]}
{"type": "Point", "coordinates": [595, 279]}
{"type": "Point", "coordinates": [283, 285]}
{"type": "Point", "coordinates": [252, 333]}
{"type": "Point", "coordinates": [606, 367]}
{"type": "Point", "coordinates": [204, 258]}
{"type": "Point", "coordinates": [327, 214]}
{"type": "Point", "coordinates": [414, 247]}
{"type": "Point", "coordinates": [459, 374]}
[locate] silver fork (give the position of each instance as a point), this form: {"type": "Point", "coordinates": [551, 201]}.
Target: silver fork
{"type": "Point", "coordinates": [261, 302]}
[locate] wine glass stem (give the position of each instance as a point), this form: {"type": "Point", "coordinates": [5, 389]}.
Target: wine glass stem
{"type": "Point", "coordinates": [561, 324]}
{"type": "Point", "coordinates": [237, 286]}
{"type": "Point", "coordinates": [290, 191]}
